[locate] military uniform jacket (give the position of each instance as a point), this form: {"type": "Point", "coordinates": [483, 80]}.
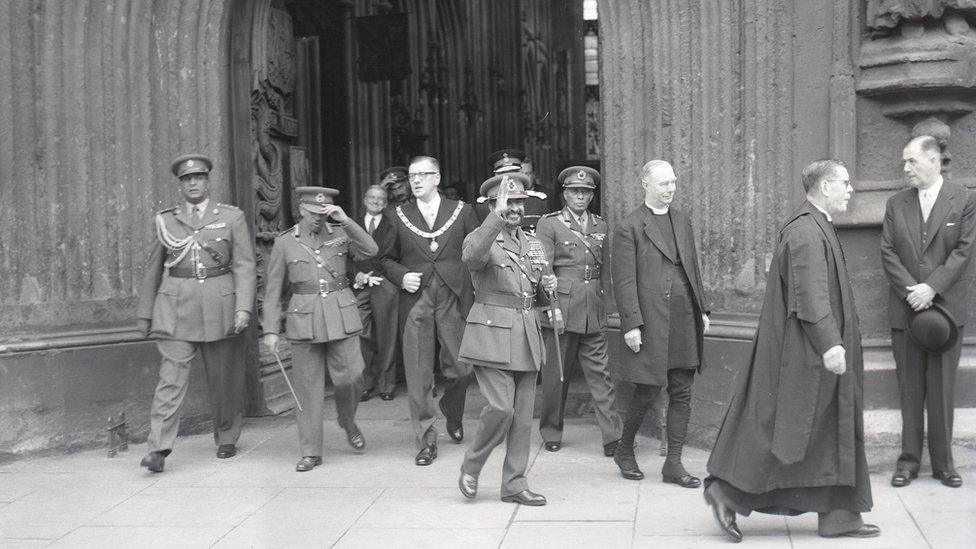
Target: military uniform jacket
{"type": "Point", "coordinates": [199, 309]}
{"type": "Point", "coordinates": [581, 262]}
{"type": "Point", "coordinates": [406, 251]}
{"type": "Point", "coordinates": [503, 328]}
{"type": "Point", "coordinates": [943, 260]}
{"type": "Point", "coordinates": [315, 267]}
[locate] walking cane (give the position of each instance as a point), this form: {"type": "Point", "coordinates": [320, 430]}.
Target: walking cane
{"type": "Point", "coordinates": [284, 375]}
{"type": "Point", "coordinates": [555, 332]}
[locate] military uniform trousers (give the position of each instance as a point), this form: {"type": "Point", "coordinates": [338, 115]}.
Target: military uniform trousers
{"type": "Point", "coordinates": [591, 350]}
{"type": "Point", "coordinates": [378, 310]}
{"type": "Point", "coordinates": [926, 381]}
{"type": "Point", "coordinates": [225, 382]}
{"type": "Point", "coordinates": [344, 360]}
{"type": "Point", "coordinates": [437, 313]}
{"type": "Point", "coordinates": [507, 416]}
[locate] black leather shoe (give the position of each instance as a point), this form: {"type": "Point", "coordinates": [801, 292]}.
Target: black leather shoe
{"type": "Point", "coordinates": [553, 446]}
{"type": "Point", "coordinates": [526, 497]}
{"type": "Point", "coordinates": [386, 396]}
{"type": "Point", "coordinates": [225, 451]}
{"type": "Point", "coordinates": [356, 439]}
{"type": "Point", "coordinates": [903, 477]}
{"type": "Point", "coordinates": [725, 518]}
{"type": "Point", "coordinates": [154, 461]}
{"type": "Point", "coordinates": [308, 463]}
{"type": "Point", "coordinates": [365, 395]}
{"type": "Point", "coordinates": [865, 531]}
{"type": "Point", "coordinates": [610, 447]}
{"type": "Point", "coordinates": [627, 462]}
{"type": "Point", "coordinates": [455, 429]}
{"type": "Point", "coordinates": [948, 478]}
{"type": "Point", "coordinates": [684, 481]}
{"type": "Point", "coordinates": [468, 485]}
{"type": "Point", "coordinates": [427, 455]}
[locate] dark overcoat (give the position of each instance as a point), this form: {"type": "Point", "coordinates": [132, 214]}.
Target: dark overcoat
{"type": "Point", "coordinates": [406, 251]}
{"type": "Point", "coordinates": [643, 293]}
{"type": "Point", "coordinates": [943, 261]}
{"type": "Point", "coordinates": [792, 423]}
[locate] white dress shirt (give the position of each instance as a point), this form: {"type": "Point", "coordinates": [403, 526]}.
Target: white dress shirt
{"type": "Point", "coordinates": [367, 219]}
{"type": "Point", "coordinates": [926, 198]}
{"type": "Point", "coordinates": [429, 209]}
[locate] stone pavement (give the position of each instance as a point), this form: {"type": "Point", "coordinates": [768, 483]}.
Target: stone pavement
{"type": "Point", "coordinates": [379, 498]}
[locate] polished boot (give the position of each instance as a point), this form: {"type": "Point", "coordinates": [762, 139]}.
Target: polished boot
{"type": "Point", "coordinates": [468, 485]}
{"type": "Point", "coordinates": [225, 451]}
{"type": "Point", "coordinates": [610, 448]}
{"type": "Point", "coordinates": [675, 473]}
{"type": "Point", "coordinates": [552, 446]}
{"type": "Point", "coordinates": [154, 461]}
{"type": "Point", "coordinates": [308, 463]}
{"type": "Point", "coordinates": [526, 497]}
{"type": "Point", "coordinates": [724, 516]}
{"type": "Point", "coordinates": [455, 429]}
{"type": "Point", "coordinates": [948, 478]}
{"type": "Point", "coordinates": [865, 531]}
{"type": "Point", "coordinates": [903, 477]}
{"type": "Point", "coordinates": [427, 455]}
{"type": "Point", "coordinates": [627, 462]}
{"type": "Point", "coordinates": [356, 439]}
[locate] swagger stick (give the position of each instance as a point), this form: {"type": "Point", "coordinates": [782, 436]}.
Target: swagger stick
{"type": "Point", "coordinates": [288, 381]}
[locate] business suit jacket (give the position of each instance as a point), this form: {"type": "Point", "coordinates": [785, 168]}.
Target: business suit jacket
{"type": "Point", "coordinates": [582, 302]}
{"type": "Point", "coordinates": [943, 262]}
{"type": "Point", "coordinates": [189, 309]}
{"type": "Point", "coordinates": [406, 252]}
{"type": "Point", "coordinates": [643, 294]}
{"type": "Point", "coordinates": [308, 259]}
{"type": "Point", "coordinates": [497, 336]}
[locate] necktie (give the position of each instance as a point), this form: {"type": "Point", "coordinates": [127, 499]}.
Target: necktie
{"type": "Point", "coordinates": [582, 223]}
{"type": "Point", "coordinates": [195, 216]}
{"type": "Point", "coordinates": [372, 224]}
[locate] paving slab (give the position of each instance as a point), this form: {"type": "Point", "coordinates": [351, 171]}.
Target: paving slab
{"type": "Point", "coordinates": [533, 535]}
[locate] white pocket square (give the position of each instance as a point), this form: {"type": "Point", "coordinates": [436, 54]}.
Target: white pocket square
{"type": "Point", "coordinates": [950, 224]}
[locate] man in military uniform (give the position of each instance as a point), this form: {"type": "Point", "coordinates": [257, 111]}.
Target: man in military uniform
{"type": "Point", "coordinates": [394, 180]}
{"type": "Point", "coordinates": [322, 320]}
{"type": "Point", "coordinates": [423, 257]}
{"type": "Point", "coordinates": [197, 295]}
{"type": "Point", "coordinates": [577, 242]}
{"type": "Point", "coordinates": [511, 161]}
{"type": "Point", "coordinates": [502, 338]}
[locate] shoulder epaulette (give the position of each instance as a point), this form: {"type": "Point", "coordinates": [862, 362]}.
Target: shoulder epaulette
{"type": "Point", "coordinates": [170, 209]}
{"type": "Point", "coordinates": [551, 214]}
{"type": "Point", "coordinates": [228, 206]}
{"type": "Point", "coordinates": [598, 217]}
{"type": "Point", "coordinates": [288, 230]}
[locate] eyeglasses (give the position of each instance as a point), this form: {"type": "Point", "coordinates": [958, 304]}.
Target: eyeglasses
{"type": "Point", "coordinates": [846, 182]}
{"type": "Point", "coordinates": [420, 175]}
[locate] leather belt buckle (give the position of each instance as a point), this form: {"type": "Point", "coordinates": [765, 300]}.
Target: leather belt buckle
{"type": "Point", "coordinates": [200, 272]}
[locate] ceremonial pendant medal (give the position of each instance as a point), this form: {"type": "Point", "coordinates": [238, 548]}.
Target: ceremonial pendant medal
{"type": "Point", "coordinates": [433, 245]}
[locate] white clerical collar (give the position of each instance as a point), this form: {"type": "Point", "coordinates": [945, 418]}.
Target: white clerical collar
{"type": "Point", "coordinates": [201, 207]}
{"type": "Point", "coordinates": [829, 219]}
{"type": "Point", "coordinates": [658, 211]}
{"type": "Point", "coordinates": [933, 191]}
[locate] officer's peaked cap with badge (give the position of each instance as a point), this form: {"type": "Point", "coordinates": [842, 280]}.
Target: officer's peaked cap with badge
{"type": "Point", "coordinates": [393, 174]}
{"type": "Point", "coordinates": [579, 177]}
{"type": "Point", "coordinates": [190, 164]}
{"type": "Point", "coordinates": [506, 160]}
{"type": "Point", "coordinates": [934, 329]}
{"type": "Point", "coordinates": [513, 183]}
{"type": "Point", "coordinates": [315, 199]}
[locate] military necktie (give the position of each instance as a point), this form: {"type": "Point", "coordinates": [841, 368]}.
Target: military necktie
{"type": "Point", "coordinates": [195, 216]}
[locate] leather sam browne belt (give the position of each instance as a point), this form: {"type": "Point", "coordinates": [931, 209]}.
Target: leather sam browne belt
{"type": "Point", "coordinates": [322, 286]}
{"type": "Point", "coordinates": [200, 273]}
{"type": "Point", "coordinates": [579, 273]}
{"type": "Point", "coordinates": [506, 300]}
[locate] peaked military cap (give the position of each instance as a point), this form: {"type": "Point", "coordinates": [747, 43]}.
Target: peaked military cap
{"type": "Point", "coordinates": [579, 176]}
{"type": "Point", "coordinates": [392, 175]}
{"type": "Point", "coordinates": [191, 163]}
{"type": "Point", "coordinates": [506, 160]}
{"type": "Point", "coordinates": [513, 183]}
{"type": "Point", "coordinates": [315, 198]}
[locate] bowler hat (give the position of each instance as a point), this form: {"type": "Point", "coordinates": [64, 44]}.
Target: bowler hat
{"type": "Point", "coordinates": [934, 329]}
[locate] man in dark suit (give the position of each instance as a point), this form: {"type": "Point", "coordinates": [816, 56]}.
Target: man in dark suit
{"type": "Point", "coordinates": [576, 241]}
{"type": "Point", "coordinates": [502, 339]}
{"type": "Point", "coordinates": [423, 258]}
{"type": "Point", "coordinates": [926, 248]}
{"type": "Point", "coordinates": [321, 321]}
{"type": "Point", "coordinates": [377, 299]}
{"type": "Point", "coordinates": [197, 295]}
{"type": "Point", "coordinates": [658, 287]}
{"type": "Point", "coordinates": [792, 440]}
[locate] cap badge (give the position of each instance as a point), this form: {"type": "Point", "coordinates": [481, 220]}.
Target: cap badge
{"type": "Point", "coordinates": [320, 197]}
{"type": "Point", "coordinates": [509, 183]}
{"type": "Point", "coordinates": [581, 175]}
{"type": "Point", "coordinates": [189, 164]}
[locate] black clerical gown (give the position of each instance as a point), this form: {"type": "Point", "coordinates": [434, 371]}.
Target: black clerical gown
{"type": "Point", "coordinates": [793, 437]}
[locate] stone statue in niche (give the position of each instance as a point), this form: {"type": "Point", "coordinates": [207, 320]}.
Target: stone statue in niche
{"type": "Point", "coordinates": [884, 16]}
